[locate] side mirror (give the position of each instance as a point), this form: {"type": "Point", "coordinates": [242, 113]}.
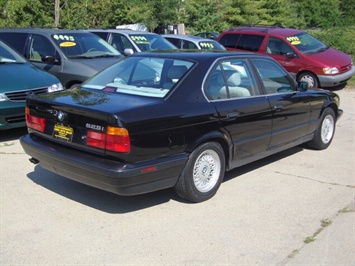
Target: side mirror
{"type": "Point", "coordinates": [291, 55]}
{"type": "Point", "coordinates": [303, 86]}
{"type": "Point", "coordinates": [128, 51]}
{"type": "Point", "coordinates": [50, 59]}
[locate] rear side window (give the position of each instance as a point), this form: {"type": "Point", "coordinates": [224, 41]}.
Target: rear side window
{"type": "Point", "coordinates": [229, 40]}
{"type": "Point", "coordinates": [250, 42]}
{"type": "Point", "coordinates": [15, 40]}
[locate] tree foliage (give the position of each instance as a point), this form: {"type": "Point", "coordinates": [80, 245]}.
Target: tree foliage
{"type": "Point", "coordinates": [197, 15]}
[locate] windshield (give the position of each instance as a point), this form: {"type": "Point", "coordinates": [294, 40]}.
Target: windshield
{"type": "Point", "coordinates": [147, 42]}
{"type": "Point", "coordinates": [144, 76]}
{"type": "Point", "coordinates": [211, 45]}
{"type": "Point", "coordinates": [306, 43]}
{"type": "Point", "coordinates": [8, 55]}
{"type": "Point", "coordinates": [84, 45]}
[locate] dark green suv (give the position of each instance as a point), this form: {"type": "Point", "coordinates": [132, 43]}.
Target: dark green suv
{"type": "Point", "coordinates": [71, 55]}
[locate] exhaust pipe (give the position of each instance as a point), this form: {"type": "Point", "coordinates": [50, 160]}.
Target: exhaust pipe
{"type": "Point", "coordinates": [33, 160]}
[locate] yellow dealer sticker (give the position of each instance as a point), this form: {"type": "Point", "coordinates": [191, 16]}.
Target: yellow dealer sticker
{"type": "Point", "coordinates": [67, 44]}
{"type": "Point", "coordinates": [140, 39]}
{"type": "Point", "coordinates": [206, 45]}
{"type": "Point", "coordinates": [294, 40]}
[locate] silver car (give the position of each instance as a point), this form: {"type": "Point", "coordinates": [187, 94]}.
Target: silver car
{"type": "Point", "coordinates": [193, 42]}
{"type": "Point", "coordinates": [128, 42]}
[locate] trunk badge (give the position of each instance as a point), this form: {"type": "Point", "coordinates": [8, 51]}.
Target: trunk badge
{"type": "Point", "coordinates": [61, 116]}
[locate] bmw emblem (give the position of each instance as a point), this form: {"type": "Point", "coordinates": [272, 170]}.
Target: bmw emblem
{"type": "Point", "coordinates": [61, 116]}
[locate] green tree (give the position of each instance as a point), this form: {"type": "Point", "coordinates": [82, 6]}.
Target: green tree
{"type": "Point", "coordinates": [322, 13]}
{"type": "Point", "coordinates": [205, 15]}
{"type": "Point", "coordinates": [24, 13]}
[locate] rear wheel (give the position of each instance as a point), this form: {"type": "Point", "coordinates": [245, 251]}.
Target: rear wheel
{"type": "Point", "coordinates": [310, 78]}
{"type": "Point", "coordinates": [325, 131]}
{"type": "Point", "coordinates": [203, 173]}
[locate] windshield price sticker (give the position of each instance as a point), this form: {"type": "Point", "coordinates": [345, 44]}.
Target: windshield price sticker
{"type": "Point", "coordinates": [294, 40]}
{"type": "Point", "coordinates": [67, 44]}
{"type": "Point", "coordinates": [206, 45]}
{"type": "Point", "coordinates": [139, 39]}
{"type": "Point", "coordinates": [60, 37]}
{"type": "Point", "coordinates": [63, 132]}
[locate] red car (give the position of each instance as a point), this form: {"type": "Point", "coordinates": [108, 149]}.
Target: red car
{"type": "Point", "coordinates": [302, 55]}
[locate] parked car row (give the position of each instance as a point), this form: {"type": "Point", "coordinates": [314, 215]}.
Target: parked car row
{"type": "Point", "coordinates": [303, 56]}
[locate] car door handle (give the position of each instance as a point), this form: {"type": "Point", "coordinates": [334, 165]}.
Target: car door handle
{"type": "Point", "coordinates": [233, 115]}
{"type": "Point", "coordinates": [278, 107]}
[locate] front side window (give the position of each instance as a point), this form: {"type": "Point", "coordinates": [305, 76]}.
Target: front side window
{"type": "Point", "coordinates": [231, 79]}
{"type": "Point", "coordinates": [277, 46]}
{"type": "Point", "coordinates": [274, 78]}
{"type": "Point", "coordinates": [188, 45]}
{"type": "Point", "coordinates": [121, 42]}
{"type": "Point", "coordinates": [144, 76]}
{"type": "Point", "coordinates": [40, 46]}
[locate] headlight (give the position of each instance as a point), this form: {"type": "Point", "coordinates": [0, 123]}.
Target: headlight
{"type": "Point", "coordinates": [55, 87]}
{"type": "Point", "coordinates": [330, 70]}
{"type": "Point", "coordinates": [3, 97]}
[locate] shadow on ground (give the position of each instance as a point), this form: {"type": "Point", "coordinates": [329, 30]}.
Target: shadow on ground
{"type": "Point", "coordinates": [112, 203]}
{"type": "Point", "coordinates": [12, 134]}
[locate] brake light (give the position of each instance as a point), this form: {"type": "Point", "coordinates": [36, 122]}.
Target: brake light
{"type": "Point", "coordinates": [34, 122]}
{"type": "Point", "coordinates": [115, 139]}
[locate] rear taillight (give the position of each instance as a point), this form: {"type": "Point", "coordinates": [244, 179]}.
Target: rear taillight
{"type": "Point", "coordinates": [34, 122]}
{"type": "Point", "coordinates": [115, 139]}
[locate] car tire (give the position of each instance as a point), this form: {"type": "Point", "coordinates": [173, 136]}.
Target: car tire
{"type": "Point", "coordinates": [310, 78]}
{"type": "Point", "coordinates": [202, 174]}
{"type": "Point", "coordinates": [323, 136]}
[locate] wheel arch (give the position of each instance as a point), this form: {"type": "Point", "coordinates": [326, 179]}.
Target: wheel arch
{"type": "Point", "coordinates": [216, 136]}
{"type": "Point", "coordinates": [307, 71]}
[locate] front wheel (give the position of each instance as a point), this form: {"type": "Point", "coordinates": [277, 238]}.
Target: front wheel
{"type": "Point", "coordinates": [203, 173]}
{"type": "Point", "coordinates": [325, 131]}
{"type": "Point", "coordinates": [310, 78]}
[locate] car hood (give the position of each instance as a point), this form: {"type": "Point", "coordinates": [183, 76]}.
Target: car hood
{"type": "Point", "coordinates": [97, 63]}
{"type": "Point", "coordinates": [331, 58]}
{"type": "Point", "coordinates": [24, 76]}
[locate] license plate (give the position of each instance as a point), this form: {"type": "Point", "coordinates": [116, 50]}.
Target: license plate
{"type": "Point", "coordinates": [63, 132]}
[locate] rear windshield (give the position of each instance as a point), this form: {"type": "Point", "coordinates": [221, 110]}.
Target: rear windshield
{"type": "Point", "coordinates": [83, 45]}
{"type": "Point", "coordinates": [144, 76]}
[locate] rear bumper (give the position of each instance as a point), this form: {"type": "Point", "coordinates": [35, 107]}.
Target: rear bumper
{"type": "Point", "coordinates": [102, 173]}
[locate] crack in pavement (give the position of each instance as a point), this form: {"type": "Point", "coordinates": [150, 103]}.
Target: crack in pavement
{"type": "Point", "coordinates": [308, 178]}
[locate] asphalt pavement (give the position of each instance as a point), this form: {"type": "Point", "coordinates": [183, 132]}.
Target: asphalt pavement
{"type": "Point", "coordinates": [293, 208]}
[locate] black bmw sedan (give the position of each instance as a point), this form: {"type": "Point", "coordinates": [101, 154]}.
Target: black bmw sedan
{"type": "Point", "coordinates": [175, 120]}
